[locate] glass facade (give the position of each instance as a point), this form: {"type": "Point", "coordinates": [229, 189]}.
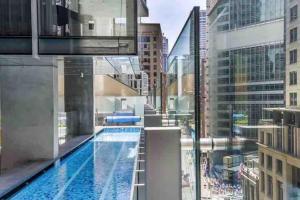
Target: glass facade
{"type": "Point", "coordinates": [15, 26]}
{"type": "Point", "coordinates": [66, 27]}
{"type": "Point", "coordinates": [80, 27]}
{"type": "Point", "coordinates": [15, 18]}
{"type": "Point", "coordinates": [246, 74]}
{"type": "Point", "coordinates": [232, 14]}
{"type": "Point", "coordinates": [183, 97]}
{"type": "Point", "coordinates": [246, 80]}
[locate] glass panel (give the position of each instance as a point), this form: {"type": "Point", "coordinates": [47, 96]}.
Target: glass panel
{"type": "Point", "coordinates": [183, 61]}
{"type": "Point", "coordinates": [246, 73]}
{"type": "Point", "coordinates": [81, 27]}
{"type": "Point", "coordinates": [15, 27]}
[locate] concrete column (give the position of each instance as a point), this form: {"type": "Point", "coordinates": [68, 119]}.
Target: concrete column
{"type": "Point", "coordinates": [130, 17]}
{"type": "Point", "coordinates": [29, 114]}
{"type": "Point", "coordinates": [79, 95]}
{"type": "Point", "coordinates": [163, 163]}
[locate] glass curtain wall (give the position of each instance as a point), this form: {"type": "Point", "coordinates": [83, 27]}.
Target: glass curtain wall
{"type": "Point", "coordinates": [15, 26]}
{"type": "Point", "coordinates": [87, 27]}
{"type": "Point", "coordinates": [241, 13]}
{"type": "Point", "coordinates": [246, 72]}
{"type": "Point", "coordinates": [183, 99]}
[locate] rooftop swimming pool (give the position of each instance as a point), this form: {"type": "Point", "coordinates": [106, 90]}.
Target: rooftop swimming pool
{"type": "Point", "coordinates": [101, 169]}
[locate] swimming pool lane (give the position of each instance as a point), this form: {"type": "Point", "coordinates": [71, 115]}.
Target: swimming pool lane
{"type": "Point", "coordinates": [101, 169]}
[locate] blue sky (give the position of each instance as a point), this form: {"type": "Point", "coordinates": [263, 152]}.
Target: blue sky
{"type": "Point", "coordinates": [171, 14]}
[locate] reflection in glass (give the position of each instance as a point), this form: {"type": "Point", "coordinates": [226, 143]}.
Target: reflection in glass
{"type": "Point", "coordinates": [87, 27]}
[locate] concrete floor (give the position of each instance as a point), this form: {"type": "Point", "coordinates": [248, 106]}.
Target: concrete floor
{"type": "Point", "coordinates": [11, 179]}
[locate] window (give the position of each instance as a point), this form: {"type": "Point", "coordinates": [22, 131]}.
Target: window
{"type": "Point", "coordinates": [279, 139]}
{"type": "Point", "coordinates": [279, 190]}
{"type": "Point", "coordinates": [145, 46]}
{"type": "Point", "coordinates": [154, 53]}
{"type": "Point", "coordinates": [295, 177]}
{"type": "Point", "coordinates": [293, 56]}
{"type": "Point", "coordinates": [146, 67]}
{"type": "Point", "coordinates": [91, 25]}
{"type": "Point", "coordinates": [262, 137]}
{"type": "Point", "coordinates": [146, 53]}
{"type": "Point", "coordinates": [124, 104]}
{"type": "Point", "coordinates": [270, 186]}
{"type": "Point", "coordinates": [293, 35]}
{"type": "Point", "coordinates": [154, 59]}
{"type": "Point", "coordinates": [269, 140]}
{"type": "Point", "coordinates": [279, 167]}
{"type": "Point", "coordinates": [269, 162]}
{"type": "Point", "coordinates": [262, 159]}
{"type": "Point", "coordinates": [145, 39]}
{"type": "Point", "coordinates": [135, 84]}
{"type": "Point", "coordinates": [294, 13]}
{"type": "Point", "coordinates": [15, 18]}
{"type": "Point", "coordinates": [293, 99]}
{"type": "Point", "coordinates": [154, 38]}
{"type": "Point", "coordinates": [262, 183]}
{"type": "Point", "coordinates": [293, 78]}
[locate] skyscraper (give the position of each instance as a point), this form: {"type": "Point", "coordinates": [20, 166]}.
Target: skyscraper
{"type": "Point", "coordinates": [279, 152]}
{"type": "Point", "coordinates": [151, 51]}
{"type": "Point", "coordinates": [245, 64]}
{"type": "Point", "coordinates": [165, 53]}
{"type": "Point", "coordinates": [203, 34]}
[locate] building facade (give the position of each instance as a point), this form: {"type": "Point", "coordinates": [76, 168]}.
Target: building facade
{"type": "Point", "coordinates": [246, 74]}
{"type": "Point", "coordinates": [292, 54]}
{"type": "Point", "coordinates": [151, 51]}
{"type": "Point", "coordinates": [279, 157]}
{"type": "Point", "coordinates": [203, 72]}
{"type": "Point", "coordinates": [278, 150]}
{"type": "Point", "coordinates": [203, 34]}
{"type": "Point", "coordinates": [165, 53]}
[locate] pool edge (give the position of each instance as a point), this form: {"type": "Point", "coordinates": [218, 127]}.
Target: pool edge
{"type": "Point", "coordinates": [14, 189]}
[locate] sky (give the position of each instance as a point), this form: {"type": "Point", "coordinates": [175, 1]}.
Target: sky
{"type": "Point", "coordinates": [171, 14]}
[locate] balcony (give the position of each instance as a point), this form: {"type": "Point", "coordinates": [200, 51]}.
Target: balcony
{"type": "Point", "coordinates": [70, 28]}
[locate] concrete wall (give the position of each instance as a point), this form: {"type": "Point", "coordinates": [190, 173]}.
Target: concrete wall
{"type": "Point", "coordinates": [79, 94]}
{"type": "Point", "coordinates": [29, 114]}
{"type": "Point", "coordinates": [163, 163]}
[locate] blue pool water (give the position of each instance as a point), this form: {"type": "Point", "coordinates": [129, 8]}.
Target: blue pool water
{"type": "Point", "coordinates": [101, 169]}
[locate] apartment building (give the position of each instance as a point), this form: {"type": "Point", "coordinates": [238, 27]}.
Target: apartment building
{"type": "Point", "coordinates": [151, 51]}
{"type": "Point", "coordinates": [279, 147]}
